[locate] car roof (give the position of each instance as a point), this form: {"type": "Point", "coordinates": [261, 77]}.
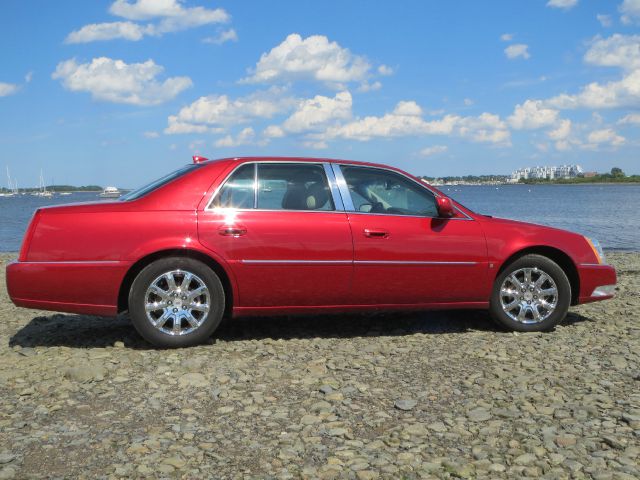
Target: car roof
{"type": "Point", "coordinates": [298, 159]}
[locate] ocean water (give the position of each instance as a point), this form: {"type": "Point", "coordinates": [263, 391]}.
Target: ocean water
{"type": "Point", "coordinates": [610, 213]}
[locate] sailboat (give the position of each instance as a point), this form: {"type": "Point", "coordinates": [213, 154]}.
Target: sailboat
{"type": "Point", "coordinates": [42, 190]}
{"type": "Point", "coordinates": [11, 188]}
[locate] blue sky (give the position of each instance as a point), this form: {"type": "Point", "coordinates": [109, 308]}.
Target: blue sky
{"type": "Point", "coordinates": [120, 92]}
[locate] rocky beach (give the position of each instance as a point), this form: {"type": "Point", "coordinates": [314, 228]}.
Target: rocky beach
{"type": "Point", "coordinates": [415, 395]}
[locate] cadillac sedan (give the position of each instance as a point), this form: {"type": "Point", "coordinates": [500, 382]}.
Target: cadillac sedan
{"type": "Point", "coordinates": [273, 236]}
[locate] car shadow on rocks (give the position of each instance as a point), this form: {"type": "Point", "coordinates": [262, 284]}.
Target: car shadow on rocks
{"type": "Point", "coordinates": [82, 331]}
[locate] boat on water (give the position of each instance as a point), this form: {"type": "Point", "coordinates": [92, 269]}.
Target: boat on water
{"type": "Point", "coordinates": [42, 189]}
{"type": "Point", "coordinates": [110, 192]}
{"type": "Point", "coordinates": [12, 186]}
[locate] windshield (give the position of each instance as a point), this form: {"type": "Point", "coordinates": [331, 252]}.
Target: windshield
{"type": "Point", "coordinates": [140, 192]}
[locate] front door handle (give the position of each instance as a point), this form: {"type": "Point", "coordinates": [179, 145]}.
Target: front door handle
{"type": "Point", "coordinates": [232, 231]}
{"type": "Point", "coordinates": [375, 233]}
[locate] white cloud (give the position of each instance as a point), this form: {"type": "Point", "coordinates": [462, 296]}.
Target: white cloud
{"type": "Point", "coordinates": [116, 81]}
{"type": "Point", "coordinates": [630, 10]}
{"type": "Point", "coordinates": [605, 20]}
{"type": "Point", "coordinates": [222, 111]}
{"type": "Point", "coordinates": [151, 134]}
{"type": "Point", "coordinates": [222, 37]}
{"type": "Point", "coordinates": [385, 70]}
{"type": "Point", "coordinates": [407, 108]}
{"type": "Point", "coordinates": [507, 37]}
{"type": "Point", "coordinates": [7, 89]}
{"type": "Point", "coordinates": [433, 150]}
{"type": "Point", "coordinates": [406, 120]}
{"type": "Point", "coordinates": [564, 4]}
{"type": "Point", "coordinates": [532, 114]}
{"type": "Point", "coordinates": [468, 102]}
{"type": "Point", "coordinates": [632, 118]}
{"type": "Point", "coordinates": [517, 50]}
{"type": "Point", "coordinates": [485, 128]}
{"type": "Point", "coordinates": [316, 145]}
{"type": "Point", "coordinates": [312, 58]}
{"type": "Point", "coordinates": [616, 51]}
{"type": "Point", "coordinates": [369, 87]}
{"type": "Point", "coordinates": [562, 131]}
{"type": "Point", "coordinates": [28, 77]}
{"type": "Point", "coordinates": [621, 93]}
{"type": "Point", "coordinates": [245, 137]}
{"type": "Point", "coordinates": [273, 131]}
{"type": "Point", "coordinates": [169, 15]}
{"type": "Point", "coordinates": [603, 138]}
{"type": "Point", "coordinates": [316, 113]}
{"type": "Point", "coordinates": [106, 31]}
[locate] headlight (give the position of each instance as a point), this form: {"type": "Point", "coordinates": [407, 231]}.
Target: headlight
{"type": "Point", "coordinates": [597, 249]}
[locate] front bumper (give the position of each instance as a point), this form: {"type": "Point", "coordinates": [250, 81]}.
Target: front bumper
{"type": "Point", "coordinates": [597, 282]}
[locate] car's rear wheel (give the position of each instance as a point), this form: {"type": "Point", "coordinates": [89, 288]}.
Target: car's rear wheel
{"type": "Point", "coordinates": [176, 302]}
{"type": "Point", "coordinates": [531, 294]}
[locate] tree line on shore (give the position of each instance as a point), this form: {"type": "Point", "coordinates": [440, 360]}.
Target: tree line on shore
{"type": "Point", "coordinates": [616, 175]}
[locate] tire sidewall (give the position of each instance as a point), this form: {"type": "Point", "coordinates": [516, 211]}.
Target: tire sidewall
{"type": "Point", "coordinates": [552, 269]}
{"type": "Point", "coordinates": [137, 300]}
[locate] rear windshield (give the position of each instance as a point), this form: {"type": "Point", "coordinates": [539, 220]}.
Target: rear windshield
{"type": "Point", "coordinates": [142, 191]}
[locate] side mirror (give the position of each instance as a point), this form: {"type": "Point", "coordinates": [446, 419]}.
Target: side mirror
{"type": "Point", "coordinates": [445, 207]}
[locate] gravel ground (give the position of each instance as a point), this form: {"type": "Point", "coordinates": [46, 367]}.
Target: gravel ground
{"type": "Point", "coordinates": [421, 395]}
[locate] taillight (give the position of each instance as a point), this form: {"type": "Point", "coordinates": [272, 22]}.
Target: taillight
{"type": "Point", "coordinates": [26, 242]}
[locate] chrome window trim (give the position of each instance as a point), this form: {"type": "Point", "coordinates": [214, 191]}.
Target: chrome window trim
{"type": "Point", "coordinates": [338, 205]}
{"type": "Point", "coordinates": [333, 186]}
{"type": "Point", "coordinates": [345, 191]}
{"type": "Point", "coordinates": [255, 185]}
{"type": "Point", "coordinates": [343, 188]}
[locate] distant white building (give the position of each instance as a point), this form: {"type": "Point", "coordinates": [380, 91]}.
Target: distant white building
{"type": "Point", "coordinates": [546, 172]}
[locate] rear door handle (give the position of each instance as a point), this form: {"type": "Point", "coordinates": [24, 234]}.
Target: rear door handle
{"type": "Point", "coordinates": [375, 233]}
{"type": "Point", "coordinates": [232, 231]}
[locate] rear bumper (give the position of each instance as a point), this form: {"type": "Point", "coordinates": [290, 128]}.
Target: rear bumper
{"type": "Point", "coordinates": [592, 278]}
{"type": "Point", "coordinates": [77, 287]}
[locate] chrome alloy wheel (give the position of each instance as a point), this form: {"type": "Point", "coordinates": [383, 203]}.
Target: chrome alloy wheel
{"type": "Point", "coordinates": [177, 302]}
{"type": "Point", "coordinates": [528, 295]}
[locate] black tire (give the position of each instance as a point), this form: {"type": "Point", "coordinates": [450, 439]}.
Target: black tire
{"type": "Point", "coordinates": [209, 321]}
{"type": "Point", "coordinates": [563, 288]}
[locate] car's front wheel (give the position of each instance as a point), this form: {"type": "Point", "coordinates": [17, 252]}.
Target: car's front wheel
{"type": "Point", "coordinates": [531, 294]}
{"type": "Point", "coordinates": [176, 302]}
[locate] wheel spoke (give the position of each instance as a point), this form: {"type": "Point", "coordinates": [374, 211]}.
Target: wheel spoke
{"type": "Point", "coordinates": [536, 313]}
{"type": "Point", "coordinates": [541, 279]}
{"type": "Point", "coordinates": [186, 281]}
{"type": "Point", "coordinates": [195, 293]}
{"type": "Point", "coordinates": [163, 294]}
{"type": "Point", "coordinates": [177, 323]}
{"type": "Point", "coordinates": [527, 275]}
{"type": "Point", "coordinates": [192, 321]}
{"type": "Point", "coordinates": [159, 323]}
{"type": "Point", "coordinates": [510, 306]}
{"type": "Point", "coordinates": [549, 292]}
{"type": "Point", "coordinates": [171, 281]}
{"type": "Point", "coordinates": [154, 306]}
{"type": "Point", "coordinates": [522, 314]}
{"type": "Point", "coordinates": [199, 307]}
{"type": "Point", "coordinates": [515, 281]}
{"type": "Point", "coordinates": [507, 292]}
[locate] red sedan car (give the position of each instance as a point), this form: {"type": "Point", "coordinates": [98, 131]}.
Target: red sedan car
{"type": "Point", "coordinates": [260, 236]}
